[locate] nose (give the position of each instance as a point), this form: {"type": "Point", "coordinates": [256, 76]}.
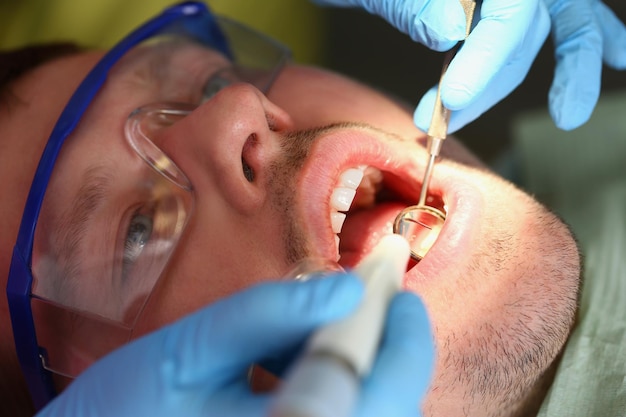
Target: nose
{"type": "Point", "coordinates": [228, 143]}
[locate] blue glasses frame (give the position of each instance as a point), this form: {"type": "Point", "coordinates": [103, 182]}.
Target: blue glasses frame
{"type": "Point", "coordinates": [189, 18]}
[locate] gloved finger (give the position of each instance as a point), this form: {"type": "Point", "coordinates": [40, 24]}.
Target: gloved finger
{"type": "Point", "coordinates": [237, 402]}
{"type": "Point", "coordinates": [235, 398]}
{"type": "Point", "coordinates": [279, 364]}
{"type": "Point", "coordinates": [497, 37]}
{"type": "Point", "coordinates": [614, 36]}
{"type": "Point", "coordinates": [500, 86]}
{"type": "Point", "coordinates": [423, 113]}
{"type": "Point", "coordinates": [438, 24]}
{"type": "Point", "coordinates": [254, 324]}
{"type": "Point", "coordinates": [578, 52]}
{"type": "Point", "coordinates": [403, 369]}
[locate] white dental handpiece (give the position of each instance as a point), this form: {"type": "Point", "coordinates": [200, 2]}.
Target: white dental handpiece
{"type": "Point", "coordinates": [325, 381]}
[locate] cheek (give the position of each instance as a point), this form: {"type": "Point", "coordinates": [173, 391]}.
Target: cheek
{"type": "Point", "coordinates": [188, 286]}
{"type": "Point", "coordinates": [512, 261]}
{"type": "Point", "coordinates": [314, 97]}
{"type": "Point", "coordinates": [213, 260]}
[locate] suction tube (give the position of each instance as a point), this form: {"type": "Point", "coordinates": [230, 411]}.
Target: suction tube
{"type": "Point", "coordinates": [325, 381]}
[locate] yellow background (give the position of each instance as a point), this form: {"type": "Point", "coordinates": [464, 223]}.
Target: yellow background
{"type": "Point", "coordinates": [101, 23]}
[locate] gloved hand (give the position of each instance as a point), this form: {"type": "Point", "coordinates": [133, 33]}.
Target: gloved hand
{"type": "Point", "coordinates": [501, 48]}
{"type": "Point", "coordinates": [585, 33]}
{"type": "Point", "coordinates": [494, 60]}
{"type": "Point", "coordinates": [198, 365]}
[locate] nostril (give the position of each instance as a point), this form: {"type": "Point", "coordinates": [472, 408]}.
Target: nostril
{"type": "Point", "coordinates": [248, 171]}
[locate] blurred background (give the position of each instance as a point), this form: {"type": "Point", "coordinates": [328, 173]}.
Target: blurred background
{"type": "Point", "coordinates": [347, 40]}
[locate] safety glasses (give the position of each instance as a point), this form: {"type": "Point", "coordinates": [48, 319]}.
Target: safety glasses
{"type": "Point", "coordinates": [38, 312]}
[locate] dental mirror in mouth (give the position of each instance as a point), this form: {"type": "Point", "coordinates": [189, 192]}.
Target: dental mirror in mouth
{"type": "Point", "coordinates": [420, 226]}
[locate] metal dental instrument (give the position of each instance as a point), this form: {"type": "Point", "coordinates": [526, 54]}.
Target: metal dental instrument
{"type": "Point", "coordinates": [420, 224]}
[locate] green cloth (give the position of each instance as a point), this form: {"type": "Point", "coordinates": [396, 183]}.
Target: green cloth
{"type": "Point", "coordinates": [581, 175]}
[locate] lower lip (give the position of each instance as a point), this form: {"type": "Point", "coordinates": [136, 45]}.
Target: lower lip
{"type": "Point", "coordinates": [367, 227]}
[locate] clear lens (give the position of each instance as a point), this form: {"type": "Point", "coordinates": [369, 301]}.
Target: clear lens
{"type": "Point", "coordinates": [258, 59]}
{"type": "Point", "coordinates": [107, 258]}
{"type": "Point", "coordinates": [91, 281]}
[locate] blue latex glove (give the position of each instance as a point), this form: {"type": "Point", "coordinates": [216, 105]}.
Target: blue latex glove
{"type": "Point", "coordinates": [494, 60]}
{"type": "Point", "coordinates": [585, 33]}
{"type": "Point", "coordinates": [501, 48]}
{"type": "Point", "coordinates": [198, 365]}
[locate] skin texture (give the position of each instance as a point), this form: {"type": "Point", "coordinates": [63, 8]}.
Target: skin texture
{"type": "Point", "coordinates": [500, 284]}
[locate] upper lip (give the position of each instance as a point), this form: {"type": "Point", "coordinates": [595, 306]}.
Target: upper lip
{"type": "Point", "coordinates": [403, 164]}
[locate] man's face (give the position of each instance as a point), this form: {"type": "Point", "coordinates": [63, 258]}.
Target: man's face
{"type": "Point", "coordinates": [500, 283]}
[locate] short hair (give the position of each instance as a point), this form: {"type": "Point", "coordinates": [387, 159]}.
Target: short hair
{"type": "Point", "coordinates": [17, 62]}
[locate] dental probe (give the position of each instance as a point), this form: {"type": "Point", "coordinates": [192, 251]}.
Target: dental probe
{"type": "Point", "coordinates": [325, 381]}
{"type": "Point", "coordinates": [438, 129]}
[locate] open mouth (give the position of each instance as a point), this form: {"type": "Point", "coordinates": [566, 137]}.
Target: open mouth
{"type": "Point", "coordinates": [356, 180]}
{"type": "Point", "coordinates": [363, 206]}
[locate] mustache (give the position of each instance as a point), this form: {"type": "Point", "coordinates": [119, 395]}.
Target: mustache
{"type": "Point", "coordinates": [283, 172]}
{"type": "Point", "coordinates": [296, 145]}
{"type": "Point", "coordinates": [282, 180]}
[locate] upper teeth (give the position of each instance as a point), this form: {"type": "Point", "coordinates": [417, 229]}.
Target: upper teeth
{"type": "Point", "coordinates": [342, 196]}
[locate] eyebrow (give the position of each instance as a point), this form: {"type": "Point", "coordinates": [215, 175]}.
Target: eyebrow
{"type": "Point", "coordinates": [74, 222]}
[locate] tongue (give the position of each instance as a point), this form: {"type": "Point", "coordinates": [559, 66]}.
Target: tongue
{"type": "Point", "coordinates": [363, 229]}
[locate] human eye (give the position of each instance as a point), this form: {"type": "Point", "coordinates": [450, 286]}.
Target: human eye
{"type": "Point", "coordinates": [146, 236]}
{"type": "Point", "coordinates": [150, 221]}
{"type": "Point", "coordinates": [216, 82]}
{"type": "Point", "coordinates": [137, 237]}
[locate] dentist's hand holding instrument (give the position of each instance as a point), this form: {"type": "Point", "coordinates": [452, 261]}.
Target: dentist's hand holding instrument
{"type": "Point", "coordinates": [420, 224]}
{"type": "Point", "coordinates": [505, 41]}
